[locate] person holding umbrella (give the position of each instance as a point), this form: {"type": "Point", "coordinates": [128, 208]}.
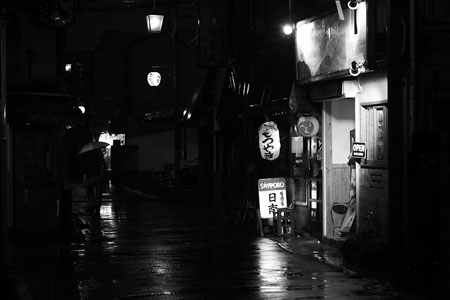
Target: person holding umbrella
{"type": "Point", "coordinates": [94, 173]}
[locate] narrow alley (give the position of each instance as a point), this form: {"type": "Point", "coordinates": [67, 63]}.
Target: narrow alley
{"type": "Point", "coordinates": [144, 247]}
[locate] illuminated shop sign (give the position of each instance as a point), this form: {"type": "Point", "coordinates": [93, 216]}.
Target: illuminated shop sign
{"type": "Point", "coordinates": [327, 46]}
{"type": "Point", "coordinates": [272, 195]}
{"type": "Point", "coordinates": [359, 150]}
{"type": "Point", "coordinates": [269, 140]}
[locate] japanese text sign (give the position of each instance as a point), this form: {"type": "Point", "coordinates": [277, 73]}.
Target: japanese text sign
{"type": "Point", "coordinates": [272, 195]}
{"type": "Point", "coordinates": [269, 140]}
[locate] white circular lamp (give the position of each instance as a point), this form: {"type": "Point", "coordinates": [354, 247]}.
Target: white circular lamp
{"type": "Point", "coordinates": [288, 29]}
{"type": "Point", "coordinates": [154, 78]}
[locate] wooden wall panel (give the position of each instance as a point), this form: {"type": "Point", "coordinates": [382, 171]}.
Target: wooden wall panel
{"type": "Point", "coordinates": [373, 204]}
{"type": "Point", "coordinates": [340, 191]}
{"type": "Point", "coordinates": [327, 135]}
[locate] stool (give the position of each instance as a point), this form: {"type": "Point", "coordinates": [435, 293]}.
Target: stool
{"type": "Point", "coordinates": [283, 221]}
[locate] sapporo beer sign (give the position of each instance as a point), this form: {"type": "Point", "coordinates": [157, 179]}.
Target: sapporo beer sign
{"type": "Point", "coordinates": [358, 150]}
{"type": "Point", "coordinates": [272, 195]}
{"type": "Point", "coordinates": [269, 140]}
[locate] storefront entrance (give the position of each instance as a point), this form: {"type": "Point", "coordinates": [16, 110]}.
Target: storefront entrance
{"type": "Point", "coordinates": [338, 125]}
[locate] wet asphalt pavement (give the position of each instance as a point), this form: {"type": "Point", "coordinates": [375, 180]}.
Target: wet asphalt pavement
{"type": "Point", "coordinates": [154, 248]}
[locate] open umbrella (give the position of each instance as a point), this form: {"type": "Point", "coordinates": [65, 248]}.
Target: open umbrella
{"type": "Point", "coordinates": [92, 146]}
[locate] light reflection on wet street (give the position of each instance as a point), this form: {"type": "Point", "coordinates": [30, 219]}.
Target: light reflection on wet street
{"type": "Point", "coordinates": [143, 248]}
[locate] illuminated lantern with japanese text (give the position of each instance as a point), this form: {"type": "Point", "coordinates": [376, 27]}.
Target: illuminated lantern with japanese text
{"type": "Point", "coordinates": [269, 140]}
{"type": "Point", "coordinates": [308, 126]}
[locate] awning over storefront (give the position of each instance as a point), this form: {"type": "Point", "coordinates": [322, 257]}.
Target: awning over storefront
{"type": "Point", "coordinates": [49, 108]}
{"type": "Point", "coordinates": [299, 101]}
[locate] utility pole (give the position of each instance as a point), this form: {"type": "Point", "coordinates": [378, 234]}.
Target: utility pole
{"type": "Point", "coordinates": [398, 134]}
{"type": "Point", "coordinates": [176, 98]}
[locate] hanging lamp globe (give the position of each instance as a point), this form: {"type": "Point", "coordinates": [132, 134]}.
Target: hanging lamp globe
{"type": "Point", "coordinates": [154, 78]}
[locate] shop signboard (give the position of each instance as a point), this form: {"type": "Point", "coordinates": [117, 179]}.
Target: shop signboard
{"type": "Point", "coordinates": [358, 150]}
{"type": "Point", "coordinates": [328, 46]}
{"type": "Point", "coordinates": [272, 195]}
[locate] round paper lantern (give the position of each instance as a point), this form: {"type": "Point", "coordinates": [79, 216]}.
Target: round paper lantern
{"type": "Point", "coordinates": [308, 126]}
{"type": "Point", "coordinates": [269, 140]}
{"type": "Point", "coordinates": [154, 78]}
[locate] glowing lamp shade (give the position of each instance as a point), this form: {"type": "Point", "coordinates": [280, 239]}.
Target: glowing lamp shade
{"type": "Point", "coordinates": [154, 78]}
{"type": "Point", "coordinates": [82, 109]}
{"type": "Point", "coordinates": [187, 114]}
{"type": "Point", "coordinates": [154, 22]}
{"type": "Point", "coordinates": [288, 29]}
{"type": "Point", "coordinates": [269, 140]}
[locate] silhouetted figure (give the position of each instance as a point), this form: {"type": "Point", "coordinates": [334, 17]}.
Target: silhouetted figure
{"type": "Point", "coordinates": [94, 169]}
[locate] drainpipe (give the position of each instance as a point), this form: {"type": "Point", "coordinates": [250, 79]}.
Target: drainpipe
{"type": "Point", "coordinates": [412, 63]}
{"type": "Point", "coordinates": [397, 137]}
{"type": "Point", "coordinates": [4, 162]}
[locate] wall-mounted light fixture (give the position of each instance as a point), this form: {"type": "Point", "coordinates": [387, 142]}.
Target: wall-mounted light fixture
{"type": "Point", "coordinates": [288, 29]}
{"type": "Point", "coordinates": [154, 20]}
{"type": "Point", "coordinates": [356, 68]}
{"type": "Point", "coordinates": [353, 4]}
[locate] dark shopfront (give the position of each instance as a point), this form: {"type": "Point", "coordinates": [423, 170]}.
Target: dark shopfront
{"type": "Point", "coordinates": [340, 85]}
{"type": "Point", "coordinates": [339, 98]}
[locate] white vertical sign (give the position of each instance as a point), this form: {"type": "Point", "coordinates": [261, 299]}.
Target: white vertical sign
{"type": "Point", "coordinates": [272, 195]}
{"type": "Point", "coordinates": [269, 140]}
